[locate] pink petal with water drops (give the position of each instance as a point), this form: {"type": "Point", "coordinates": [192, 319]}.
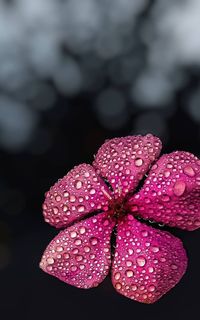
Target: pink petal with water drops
{"type": "Point", "coordinates": [147, 263]}
{"type": "Point", "coordinates": [80, 255]}
{"type": "Point", "coordinates": [78, 193]}
{"type": "Point", "coordinates": [124, 161]}
{"type": "Point", "coordinates": [171, 193]}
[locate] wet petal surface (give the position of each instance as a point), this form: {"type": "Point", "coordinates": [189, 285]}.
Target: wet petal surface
{"type": "Point", "coordinates": [80, 255]}
{"type": "Point", "coordinates": [171, 193]}
{"type": "Point", "coordinates": [124, 161]}
{"type": "Point", "coordinates": [147, 262]}
{"type": "Point", "coordinates": [78, 193]}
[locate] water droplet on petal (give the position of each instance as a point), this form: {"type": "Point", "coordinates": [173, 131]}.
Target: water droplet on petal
{"type": "Point", "coordinates": [78, 184]}
{"type": "Point", "coordinates": [59, 249]}
{"type": "Point", "coordinates": [73, 268]}
{"type": "Point", "coordinates": [118, 286]}
{"type": "Point", "coordinates": [73, 234]}
{"type": "Point", "coordinates": [79, 258]}
{"type": "Point", "coordinates": [58, 198]}
{"type": "Point", "coordinates": [82, 230]}
{"type": "Point", "coordinates": [155, 249]}
{"type": "Point", "coordinates": [129, 263]}
{"type": "Point", "coordinates": [50, 260]}
{"type": "Point", "coordinates": [144, 233]}
{"type": "Point", "coordinates": [165, 198]}
{"type": "Point", "coordinates": [81, 208]}
{"type": "Point", "coordinates": [179, 188]}
{"type": "Point", "coordinates": [55, 210]}
{"type": "Point", "coordinates": [93, 241]}
{"type": "Point", "coordinates": [130, 251]}
{"type": "Point", "coordinates": [92, 191]}
{"type": "Point", "coordinates": [134, 287]}
{"type": "Point", "coordinates": [167, 174]}
{"type": "Point", "coordinates": [138, 162]}
{"type": "Point", "coordinates": [117, 276]}
{"type": "Point", "coordinates": [87, 249]}
{"type": "Point", "coordinates": [189, 171]}
{"type": "Point", "coordinates": [141, 261]}
{"type": "Point", "coordinates": [129, 273]}
{"type": "Point", "coordinates": [72, 199]}
{"type": "Point", "coordinates": [151, 269]}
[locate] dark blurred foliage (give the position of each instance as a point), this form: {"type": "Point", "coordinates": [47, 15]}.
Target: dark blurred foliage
{"type": "Point", "coordinates": [72, 74]}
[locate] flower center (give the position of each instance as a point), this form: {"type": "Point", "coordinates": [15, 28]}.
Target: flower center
{"type": "Point", "coordinates": [118, 208]}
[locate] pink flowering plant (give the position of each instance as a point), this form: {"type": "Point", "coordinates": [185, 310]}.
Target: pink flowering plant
{"type": "Point", "coordinates": [93, 200]}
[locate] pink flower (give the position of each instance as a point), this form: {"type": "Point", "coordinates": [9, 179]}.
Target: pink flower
{"type": "Point", "coordinates": [147, 262]}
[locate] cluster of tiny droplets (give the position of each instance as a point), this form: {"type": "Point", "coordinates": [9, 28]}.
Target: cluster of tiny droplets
{"type": "Point", "coordinates": [81, 253]}
{"type": "Point", "coordinates": [146, 262]}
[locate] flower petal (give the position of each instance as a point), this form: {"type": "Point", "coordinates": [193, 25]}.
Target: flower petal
{"type": "Point", "coordinates": [148, 262]}
{"type": "Point", "coordinates": [124, 161]}
{"type": "Point", "coordinates": [171, 193]}
{"type": "Point", "coordinates": [80, 255]}
{"type": "Point", "coordinates": [78, 193]}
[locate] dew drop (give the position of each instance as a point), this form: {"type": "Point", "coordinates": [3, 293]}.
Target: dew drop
{"type": "Point", "coordinates": [130, 251]}
{"type": "Point", "coordinates": [78, 242]}
{"type": "Point", "coordinates": [92, 191]}
{"type": "Point", "coordinates": [93, 241]}
{"type": "Point", "coordinates": [55, 210]}
{"type": "Point", "coordinates": [138, 162]}
{"type": "Point", "coordinates": [87, 249]}
{"type": "Point", "coordinates": [73, 234]}
{"type": "Point", "coordinates": [118, 286]}
{"type": "Point", "coordinates": [79, 258]}
{"type": "Point", "coordinates": [155, 249]}
{"type": "Point", "coordinates": [145, 233]}
{"type": "Point", "coordinates": [82, 230]}
{"type": "Point", "coordinates": [167, 174]}
{"type": "Point", "coordinates": [141, 261]}
{"type": "Point", "coordinates": [129, 273]}
{"type": "Point", "coordinates": [59, 249]}
{"type": "Point", "coordinates": [129, 263]}
{"type": "Point", "coordinates": [72, 199]}
{"type": "Point", "coordinates": [151, 288]}
{"type": "Point", "coordinates": [58, 198]}
{"type": "Point", "coordinates": [117, 276]}
{"type": "Point", "coordinates": [189, 171]}
{"type": "Point", "coordinates": [50, 261]}
{"type": "Point", "coordinates": [78, 184]}
{"type": "Point", "coordinates": [165, 198]}
{"type": "Point", "coordinates": [66, 194]}
{"type": "Point", "coordinates": [179, 188]}
{"type": "Point", "coordinates": [134, 287]}
{"type": "Point", "coordinates": [81, 208]}
{"type": "Point", "coordinates": [73, 268]}
{"type": "Point", "coordinates": [151, 269]}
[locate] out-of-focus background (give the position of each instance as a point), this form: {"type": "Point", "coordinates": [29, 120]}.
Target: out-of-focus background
{"type": "Point", "coordinates": [73, 73]}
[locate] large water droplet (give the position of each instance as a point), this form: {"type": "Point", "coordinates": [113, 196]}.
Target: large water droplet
{"type": "Point", "coordinates": [141, 261]}
{"type": "Point", "coordinates": [189, 171]}
{"type": "Point", "coordinates": [82, 230]}
{"type": "Point", "coordinates": [73, 234]}
{"type": "Point", "coordinates": [117, 276]}
{"type": "Point", "coordinates": [129, 273]}
{"type": "Point", "coordinates": [179, 188]}
{"type": "Point", "coordinates": [78, 184]}
{"type": "Point", "coordinates": [50, 260]}
{"type": "Point", "coordinates": [138, 162]}
{"type": "Point", "coordinates": [118, 286]}
{"type": "Point", "coordinates": [81, 208]}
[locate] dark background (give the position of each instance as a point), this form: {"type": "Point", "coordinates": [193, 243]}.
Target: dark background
{"type": "Point", "coordinates": [72, 74]}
